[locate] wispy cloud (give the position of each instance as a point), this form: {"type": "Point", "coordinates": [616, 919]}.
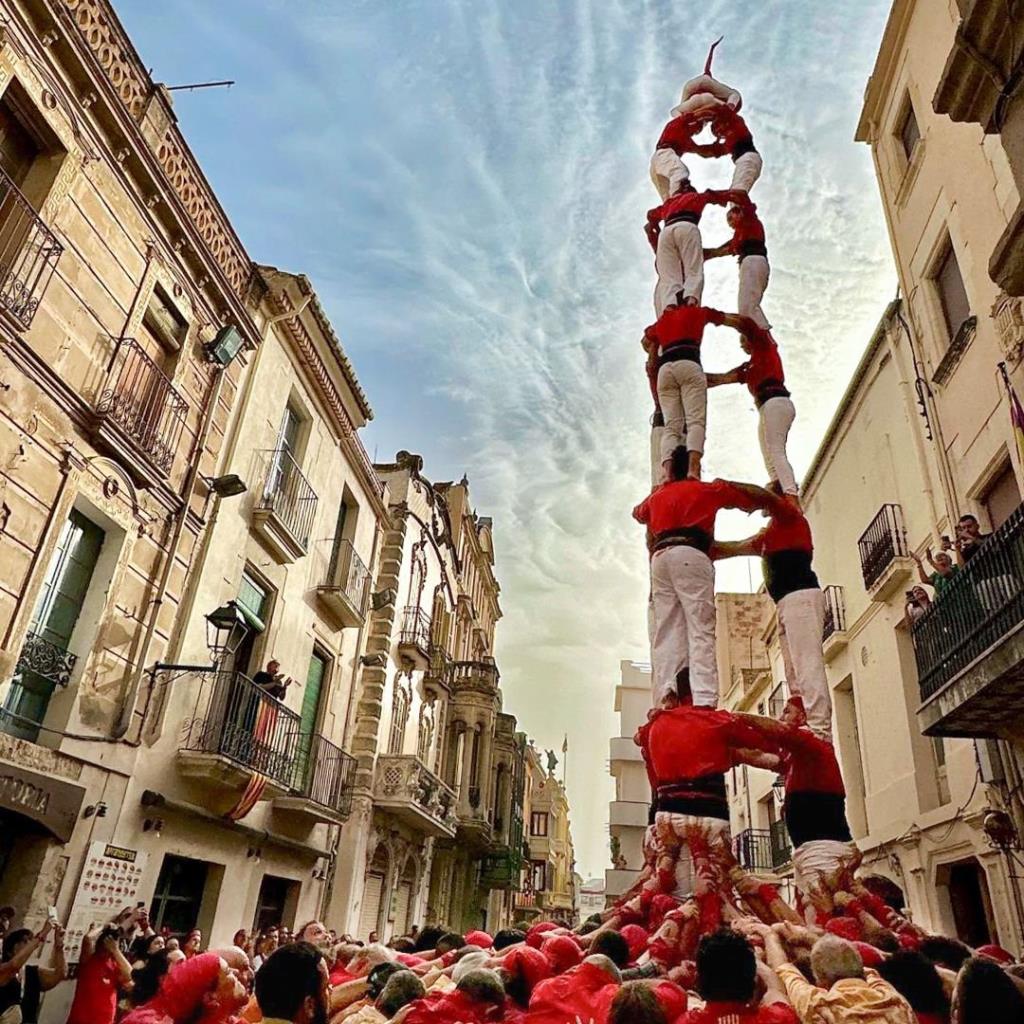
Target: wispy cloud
{"type": "Point", "coordinates": [465, 181]}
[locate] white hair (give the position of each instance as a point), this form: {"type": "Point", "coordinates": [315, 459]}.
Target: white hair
{"type": "Point", "coordinates": [833, 959]}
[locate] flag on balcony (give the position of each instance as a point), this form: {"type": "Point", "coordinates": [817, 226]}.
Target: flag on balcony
{"type": "Point", "coordinates": [1016, 413]}
{"type": "Point", "coordinates": [249, 798]}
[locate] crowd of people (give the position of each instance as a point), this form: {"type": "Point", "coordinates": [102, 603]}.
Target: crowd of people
{"type": "Point", "coordinates": [855, 969]}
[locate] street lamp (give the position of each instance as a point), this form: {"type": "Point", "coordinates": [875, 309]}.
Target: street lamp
{"type": "Point", "coordinates": [226, 628]}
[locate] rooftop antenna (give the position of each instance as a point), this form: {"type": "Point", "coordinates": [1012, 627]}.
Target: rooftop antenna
{"type": "Point", "coordinates": [200, 85]}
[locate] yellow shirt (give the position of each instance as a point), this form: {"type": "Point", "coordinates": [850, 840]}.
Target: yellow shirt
{"type": "Point", "coordinates": [850, 1001]}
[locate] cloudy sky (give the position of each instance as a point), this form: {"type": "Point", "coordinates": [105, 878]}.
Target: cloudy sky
{"type": "Point", "coordinates": [465, 181]}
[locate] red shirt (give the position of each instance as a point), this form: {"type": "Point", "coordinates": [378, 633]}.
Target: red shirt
{"type": "Point", "coordinates": [686, 742]}
{"type": "Point", "coordinates": [95, 999]}
{"type": "Point", "coordinates": [678, 134]}
{"type": "Point", "coordinates": [785, 532]}
{"type": "Point", "coordinates": [764, 363]}
{"type": "Point", "coordinates": [810, 764]}
{"type": "Point", "coordinates": [683, 323]}
{"type": "Point", "coordinates": [730, 128]}
{"type": "Point", "coordinates": [735, 1013]}
{"type": "Point", "coordinates": [452, 1008]}
{"type": "Point", "coordinates": [690, 503]}
{"type": "Point", "coordinates": [686, 202]}
{"type": "Point", "coordinates": [584, 993]}
{"type": "Point", "coordinates": [749, 229]}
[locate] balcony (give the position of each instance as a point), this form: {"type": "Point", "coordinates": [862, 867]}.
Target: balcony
{"type": "Point", "coordinates": [414, 638]}
{"type": "Point", "coordinates": [969, 645]}
{"type": "Point", "coordinates": [884, 556]}
{"type": "Point", "coordinates": [502, 870]}
{"type": "Point", "coordinates": [622, 748]}
{"type": "Point", "coordinates": [237, 729]}
{"type": "Point", "coordinates": [763, 849]}
{"type": "Point", "coordinates": [29, 252]}
{"type": "Point", "coordinates": [140, 414]}
{"type": "Point", "coordinates": [617, 881]}
{"type": "Point", "coordinates": [42, 666]}
{"type": "Point", "coordinates": [439, 668]}
{"type": "Point", "coordinates": [405, 787]}
{"type": "Point", "coordinates": [344, 594]}
{"type": "Point", "coordinates": [475, 677]}
{"type": "Point", "coordinates": [628, 814]}
{"type": "Point", "coordinates": [286, 508]}
{"type": "Point", "coordinates": [474, 828]}
{"type": "Point", "coordinates": [833, 636]}
{"type": "Point", "coordinates": [323, 781]}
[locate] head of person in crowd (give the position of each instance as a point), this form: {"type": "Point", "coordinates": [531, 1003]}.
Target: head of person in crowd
{"type": "Point", "coordinates": [536, 932]}
{"type": "Point", "coordinates": [193, 943]}
{"type": "Point", "coordinates": [679, 464]}
{"type": "Point", "coordinates": [997, 953]}
{"type": "Point", "coordinates": [372, 938]}
{"type": "Point", "coordinates": [472, 960]}
{"type": "Point", "coordinates": [449, 942]}
{"type": "Point", "coordinates": [968, 528]}
{"type": "Point", "coordinates": [315, 933]}
{"type": "Point", "coordinates": [15, 941]}
{"type": "Point", "coordinates": [612, 945]}
{"type": "Point", "coordinates": [427, 938]}
{"type": "Point", "coordinates": [726, 968]}
{"type": "Point", "coordinates": [403, 944]}
{"type": "Point", "coordinates": [145, 946]}
{"type": "Point", "coordinates": [508, 937]}
{"type": "Point", "coordinates": [479, 938]}
{"type": "Point", "coordinates": [172, 943]}
{"type": "Point", "coordinates": [793, 712]}
{"type": "Point", "coordinates": [945, 952]}
{"type": "Point", "coordinates": [378, 977]}
{"type": "Point", "coordinates": [636, 939]}
{"type": "Point", "coordinates": [943, 563]}
{"type": "Point", "coordinates": [521, 970]}
{"type": "Point", "coordinates": [985, 994]}
{"type": "Point", "coordinates": [607, 965]}
{"type": "Point", "coordinates": [367, 958]}
{"type": "Point", "coordinates": [146, 979]}
{"type": "Point", "coordinates": [483, 987]}
{"type": "Point", "coordinates": [7, 915]}
{"type": "Point", "coordinates": [402, 988]}
{"type": "Point", "coordinates": [293, 985]}
{"type": "Point", "coordinates": [240, 938]}
{"type": "Point", "coordinates": [636, 1003]}
{"type": "Point", "coordinates": [915, 978]}
{"type": "Point", "coordinates": [834, 959]}
{"type": "Point", "coordinates": [205, 987]}
{"type": "Point", "coordinates": [561, 952]}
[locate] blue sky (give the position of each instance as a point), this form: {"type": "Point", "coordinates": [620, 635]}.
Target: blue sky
{"type": "Point", "coordinates": [465, 182]}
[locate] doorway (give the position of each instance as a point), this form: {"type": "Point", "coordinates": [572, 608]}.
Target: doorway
{"type": "Point", "coordinates": [178, 898]}
{"type": "Point", "coordinates": [275, 905]}
{"type": "Point", "coordinates": [969, 899]}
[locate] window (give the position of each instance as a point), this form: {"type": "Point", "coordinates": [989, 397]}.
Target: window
{"type": "Point", "coordinates": [909, 133]}
{"type": "Point", "coordinates": [538, 875]}
{"type": "Point", "coordinates": [276, 902]}
{"type": "Point", "coordinates": [254, 602]}
{"type": "Point", "coordinates": [949, 284]}
{"type": "Point", "coordinates": [1001, 497]}
{"type": "Point", "coordinates": [162, 331]}
{"type": "Point", "coordinates": [44, 661]}
{"type": "Point", "coordinates": [179, 894]}
{"type": "Point", "coordinates": [850, 756]}
{"type": "Point", "coordinates": [539, 823]}
{"type": "Point", "coordinates": [400, 701]}
{"type": "Point", "coordinates": [317, 677]}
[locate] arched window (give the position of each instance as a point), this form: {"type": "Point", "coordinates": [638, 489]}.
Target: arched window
{"type": "Point", "coordinates": [426, 732]}
{"type": "Point", "coordinates": [400, 702]}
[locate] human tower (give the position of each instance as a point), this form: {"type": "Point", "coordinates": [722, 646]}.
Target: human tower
{"type": "Point", "coordinates": [691, 883]}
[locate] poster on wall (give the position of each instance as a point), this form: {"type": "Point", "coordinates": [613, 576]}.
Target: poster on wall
{"type": "Point", "coordinates": [111, 880]}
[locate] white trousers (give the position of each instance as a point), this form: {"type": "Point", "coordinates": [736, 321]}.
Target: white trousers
{"type": "Point", "coordinates": [801, 623]}
{"type": "Point", "coordinates": [657, 471]}
{"type": "Point", "coordinates": [679, 263]}
{"type": "Point", "coordinates": [683, 395]}
{"type": "Point", "coordinates": [683, 590]}
{"type": "Point", "coordinates": [775, 418]}
{"type": "Point", "coordinates": [668, 172]}
{"type": "Point", "coordinates": [754, 273]}
{"type": "Point", "coordinates": [820, 868]}
{"type": "Point", "coordinates": [746, 172]}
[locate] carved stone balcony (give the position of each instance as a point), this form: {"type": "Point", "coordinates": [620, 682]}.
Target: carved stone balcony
{"type": "Point", "coordinates": [502, 869]}
{"type": "Point", "coordinates": [414, 644]}
{"type": "Point", "coordinates": [286, 508]}
{"type": "Point", "coordinates": [884, 557]}
{"type": "Point", "coordinates": [406, 788]}
{"type": "Point", "coordinates": [29, 252]}
{"type": "Point", "coordinates": [140, 415]}
{"type": "Point", "coordinates": [481, 677]}
{"type": "Point", "coordinates": [344, 593]}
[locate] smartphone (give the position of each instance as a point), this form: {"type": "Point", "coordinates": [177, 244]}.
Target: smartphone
{"type": "Point", "coordinates": [52, 914]}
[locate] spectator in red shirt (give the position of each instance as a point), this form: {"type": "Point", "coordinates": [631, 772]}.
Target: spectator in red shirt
{"type": "Point", "coordinates": [679, 248]}
{"type": "Point", "coordinates": [681, 517]}
{"type": "Point", "coordinates": [765, 379]}
{"type": "Point", "coordinates": [786, 548]}
{"type": "Point", "coordinates": [748, 246]}
{"type": "Point", "coordinates": [735, 139]}
{"type": "Point", "coordinates": [478, 998]}
{"type": "Point", "coordinates": [102, 970]}
{"type": "Point", "coordinates": [585, 993]}
{"type": "Point", "coordinates": [727, 973]}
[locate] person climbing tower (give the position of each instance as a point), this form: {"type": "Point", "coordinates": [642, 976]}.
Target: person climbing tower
{"type": "Point", "coordinates": [748, 246]}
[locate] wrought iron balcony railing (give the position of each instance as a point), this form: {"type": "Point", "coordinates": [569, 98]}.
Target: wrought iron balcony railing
{"type": "Point", "coordinates": [239, 720]}
{"type": "Point", "coordinates": [441, 665]}
{"type": "Point", "coordinates": [348, 572]}
{"type": "Point", "coordinates": [777, 700]}
{"type": "Point", "coordinates": [325, 774]}
{"type": "Point", "coordinates": [835, 612]}
{"type": "Point", "coordinates": [781, 847]}
{"type": "Point", "coordinates": [882, 542]}
{"type": "Point", "coordinates": [288, 495]}
{"type": "Point", "coordinates": [763, 849]}
{"type": "Point", "coordinates": [415, 631]}
{"type": "Point", "coordinates": [979, 606]}
{"type": "Point", "coordinates": [29, 252]}
{"type": "Point", "coordinates": [46, 660]}
{"type": "Point", "coordinates": [140, 398]}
